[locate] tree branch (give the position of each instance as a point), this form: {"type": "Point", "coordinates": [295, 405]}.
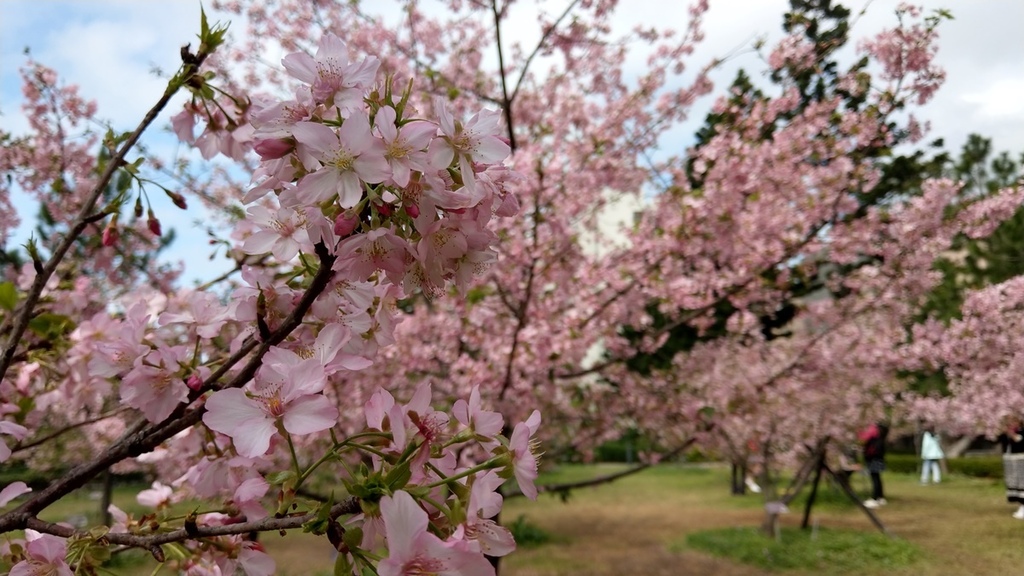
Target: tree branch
{"type": "Point", "coordinates": [567, 486]}
{"type": "Point", "coordinates": [57, 433]}
{"type": "Point", "coordinates": [152, 542]}
{"type": "Point", "coordinates": [506, 102]}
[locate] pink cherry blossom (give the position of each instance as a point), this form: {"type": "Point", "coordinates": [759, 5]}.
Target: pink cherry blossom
{"type": "Point", "coordinates": [156, 497]}
{"type": "Point", "coordinates": [364, 254]}
{"type": "Point", "coordinates": [475, 141]}
{"type": "Point", "coordinates": [156, 386]}
{"type": "Point", "coordinates": [282, 232]}
{"type": "Point", "coordinates": [524, 461]}
{"type": "Point", "coordinates": [473, 416]}
{"type": "Point", "coordinates": [247, 497]}
{"type": "Point", "coordinates": [405, 147]}
{"type": "Point", "coordinates": [335, 81]}
{"type": "Point", "coordinates": [12, 491]}
{"type": "Point", "coordinates": [44, 556]}
{"type": "Point", "coordinates": [201, 310]}
{"type": "Point", "coordinates": [340, 162]}
{"type": "Point", "coordinates": [484, 503]}
{"type": "Point", "coordinates": [11, 429]}
{"type": "Point", "coordinates": [413, 550]}
{"type": "Point", "coordinates": [288, 392]}
{"type": "Point", "coordinates": [254, 561]}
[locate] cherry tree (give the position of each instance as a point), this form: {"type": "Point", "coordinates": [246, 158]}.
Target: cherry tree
{"type": "Point", "coordinates": [388, 161]}
{"type": "Point", "coordinates": [791, 195]}
{"type": "Point", "coordinates": [218, 388]}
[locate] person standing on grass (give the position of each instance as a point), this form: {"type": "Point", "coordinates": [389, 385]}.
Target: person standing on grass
{"type": "Point", "coordinates": [1012, 442]}
{"type": "Point", "coordinates": [873, 439]}
{"type": "Point", "coordinates": [931, 453]}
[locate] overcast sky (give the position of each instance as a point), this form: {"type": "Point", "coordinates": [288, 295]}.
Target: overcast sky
{"type": "Point", "coordinates": [110, 47]}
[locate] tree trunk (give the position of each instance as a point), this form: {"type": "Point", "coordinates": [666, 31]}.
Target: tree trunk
{"type": "Point", "coordinates": [739, 478]}
{"type": "Point", "coordinates": [957, 449]}
{"type": "Point", "coordinates": [814, 491]}
{"type": "Point", "coordinates": [107, 499]}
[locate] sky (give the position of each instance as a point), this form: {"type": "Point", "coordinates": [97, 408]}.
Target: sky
{"type": "Point", "coordinates": [110, 48]}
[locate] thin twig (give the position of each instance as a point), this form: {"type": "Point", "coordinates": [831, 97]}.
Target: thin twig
{"type": "Point", "coordinates": [152, 542]}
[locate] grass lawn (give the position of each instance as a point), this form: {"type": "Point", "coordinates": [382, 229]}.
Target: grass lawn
{"type": "Point", "coordinates": [664, 520]}
{"type": "Point", "coordinates": [643, 524]}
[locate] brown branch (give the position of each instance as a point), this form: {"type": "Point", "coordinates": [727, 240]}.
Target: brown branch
{"type": "Point", "coordinates": [153, 542]}
{"type": "Point", "coordinates": [813, 461]}
{"type": "Point", "coordinates": [567, 486]}
{"type": "Point", "coordinates": [540, 44]}
{"type": "Point", "coordinates": [506, 102]}
{"type": "Point", "coordinates": [36, 442]}
{"type": "Point", "coordinates": [524, 304]}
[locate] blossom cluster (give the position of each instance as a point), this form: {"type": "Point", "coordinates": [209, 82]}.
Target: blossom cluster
{"type": "Point", "coordinates": [359, 201]}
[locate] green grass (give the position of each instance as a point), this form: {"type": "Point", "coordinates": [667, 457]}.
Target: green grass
{"type": "Point", "coordinates": [664, 521]}
{"type": "Point", "coordinates": [824, 549]}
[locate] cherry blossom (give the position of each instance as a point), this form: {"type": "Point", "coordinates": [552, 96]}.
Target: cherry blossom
{"type": "Point", "coordinates": [44, 555]}
{"type": "Point", "coordinates": [349, 157]}
{"type": "Point", "coordinates": [414, 550]}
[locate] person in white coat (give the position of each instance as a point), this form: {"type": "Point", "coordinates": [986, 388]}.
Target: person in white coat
{"type": "Point", "coordinates": [931, 453]}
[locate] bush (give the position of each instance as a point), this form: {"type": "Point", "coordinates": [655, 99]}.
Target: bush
{"type": "Point", "coordinates": [977, 466]}
{"type": "Point", "coordinates": [973, 466]}
{"type": "Point", "coordinates": [625, 449]}
{"type": "Point", "coordinates": [17, 471]}
{"type": "Point", "coordinates": [528, 534]}
{"type": "Point", "coordinates": [903, 463]}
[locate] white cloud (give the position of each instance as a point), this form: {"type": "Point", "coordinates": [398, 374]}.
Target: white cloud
{"type": "Point", "coordinates": [999, 99]}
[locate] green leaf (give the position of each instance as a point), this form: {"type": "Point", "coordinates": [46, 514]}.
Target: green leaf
{"type": "Point", "coordinates": [398, 477]}
{"type": "Point", "coordinates": [342, 567]}
{"type": "Point", "coordinates": [51, 326]}
{"type": "Point", "coordinates": [353, 537]}
{"type": "Point", "coordinates": [279, 478]}
{"type": "Point", "coordinates": [204, 26]}
{"type": "Point", "coordinates": [318, 525]}
{"type": "Point", "coordinates": [8, 296]}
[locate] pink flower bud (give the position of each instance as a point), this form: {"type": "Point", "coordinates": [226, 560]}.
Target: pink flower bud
{"type": "Point", "coordinates": [273, 148]}
{"type": "Point", "coordinates": [345, 224]}
{"type": "Point", "coordinates": [412, 210]}
{"type": "Point", "coordinates": [384, 209]}
{"type": "Point", "coordinates": [111, 234]}
{"type": "Point", "coordinates": [194, 382]}
{"type": "Point", "coordinates": [178, 200]}
{"type": "Point", "coordinates": [153, 224]}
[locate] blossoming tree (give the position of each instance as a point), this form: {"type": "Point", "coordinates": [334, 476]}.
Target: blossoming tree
{"type": "Point", "coordinates": [794, 194]}
{"type": "Point", "coordinates": [223, 387]}
{"type": "Point", "coordinates": [367, 290]}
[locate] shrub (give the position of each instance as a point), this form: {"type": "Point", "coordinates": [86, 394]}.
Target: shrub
{"type": "Point", "coordinates": [973, 466]}
{"type": "Point", "coordinates": [528, 534]}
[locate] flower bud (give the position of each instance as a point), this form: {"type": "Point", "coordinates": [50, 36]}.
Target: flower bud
{"type": "Point", "coordinates": [178, 200]}
{"type": "Point", "coordinates": [111, 234]}
{"type": "Point", "coordinates": [345, 224]}
{"type": "Point", "coordinates": [412, 210]}
{"type": "Point", "coordinates": [153, 224]}
{"type": "Point", "coordinates": [273, 148]}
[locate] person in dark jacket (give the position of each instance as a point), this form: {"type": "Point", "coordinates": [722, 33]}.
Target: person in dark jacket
{"type": "Point", "coordinates": [873, 439]}
{"type": "Point", "coordinates": [1012, 442]}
